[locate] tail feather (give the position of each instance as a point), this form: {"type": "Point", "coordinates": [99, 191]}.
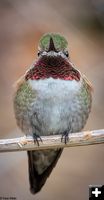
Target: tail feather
{"type": "Point", "coordinates": [36, 179]}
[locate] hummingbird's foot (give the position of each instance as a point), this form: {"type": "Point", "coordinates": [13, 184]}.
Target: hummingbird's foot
{"type": "Point", "coordinates": [65, 137]}
{"type": "Point", "coordinates": [37, 138]}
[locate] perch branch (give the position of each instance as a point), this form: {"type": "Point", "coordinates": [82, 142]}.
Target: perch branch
{"type": "Point", "coordinates": [54, 141]}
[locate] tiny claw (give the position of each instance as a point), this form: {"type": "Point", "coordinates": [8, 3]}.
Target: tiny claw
{"type": "Point", "coordinates": [37, 138]}
{"type": "Point", "coordinates": [65, 137]}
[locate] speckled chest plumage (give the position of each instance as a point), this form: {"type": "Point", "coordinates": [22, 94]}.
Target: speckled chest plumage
{"type": "Point", "coordinates": [52, 106]}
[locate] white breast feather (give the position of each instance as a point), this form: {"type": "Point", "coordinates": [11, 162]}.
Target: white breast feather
{"type": "Point", "coordinates": [58, 98]}
{"type": "Point", "coordinates": [55, 87]}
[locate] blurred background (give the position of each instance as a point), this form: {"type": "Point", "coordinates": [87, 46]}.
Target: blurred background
{"type": "Point", "coordinates": [22, 23]}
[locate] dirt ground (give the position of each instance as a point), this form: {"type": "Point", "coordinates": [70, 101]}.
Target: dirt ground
{"type": "Point", "coordinates": [22, 24]}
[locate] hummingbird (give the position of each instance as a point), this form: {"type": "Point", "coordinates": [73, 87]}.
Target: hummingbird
{"type": "Point", "coordinates": [52, 97]}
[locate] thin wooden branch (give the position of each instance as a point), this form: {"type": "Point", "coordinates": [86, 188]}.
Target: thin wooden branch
{"type": "Point", "coordinates": [54, 141]}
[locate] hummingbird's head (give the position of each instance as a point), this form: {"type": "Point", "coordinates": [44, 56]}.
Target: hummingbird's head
{"type": "Point", "coordinates": [53, 45]}
{"type": "Point", "coordinates": [53, 60]}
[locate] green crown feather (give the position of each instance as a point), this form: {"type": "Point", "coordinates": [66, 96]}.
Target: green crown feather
{"type": "Point", "coordinates": [60, 42]}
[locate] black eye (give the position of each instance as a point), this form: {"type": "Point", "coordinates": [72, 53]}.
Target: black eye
{"type": "Point", "coordinates": [39, 53]}
{"type": "Point", "coordinates": [66, 53]}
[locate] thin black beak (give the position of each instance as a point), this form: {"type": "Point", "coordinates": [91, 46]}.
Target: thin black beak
{"type": "Point", "coordinates": [51, 45]}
